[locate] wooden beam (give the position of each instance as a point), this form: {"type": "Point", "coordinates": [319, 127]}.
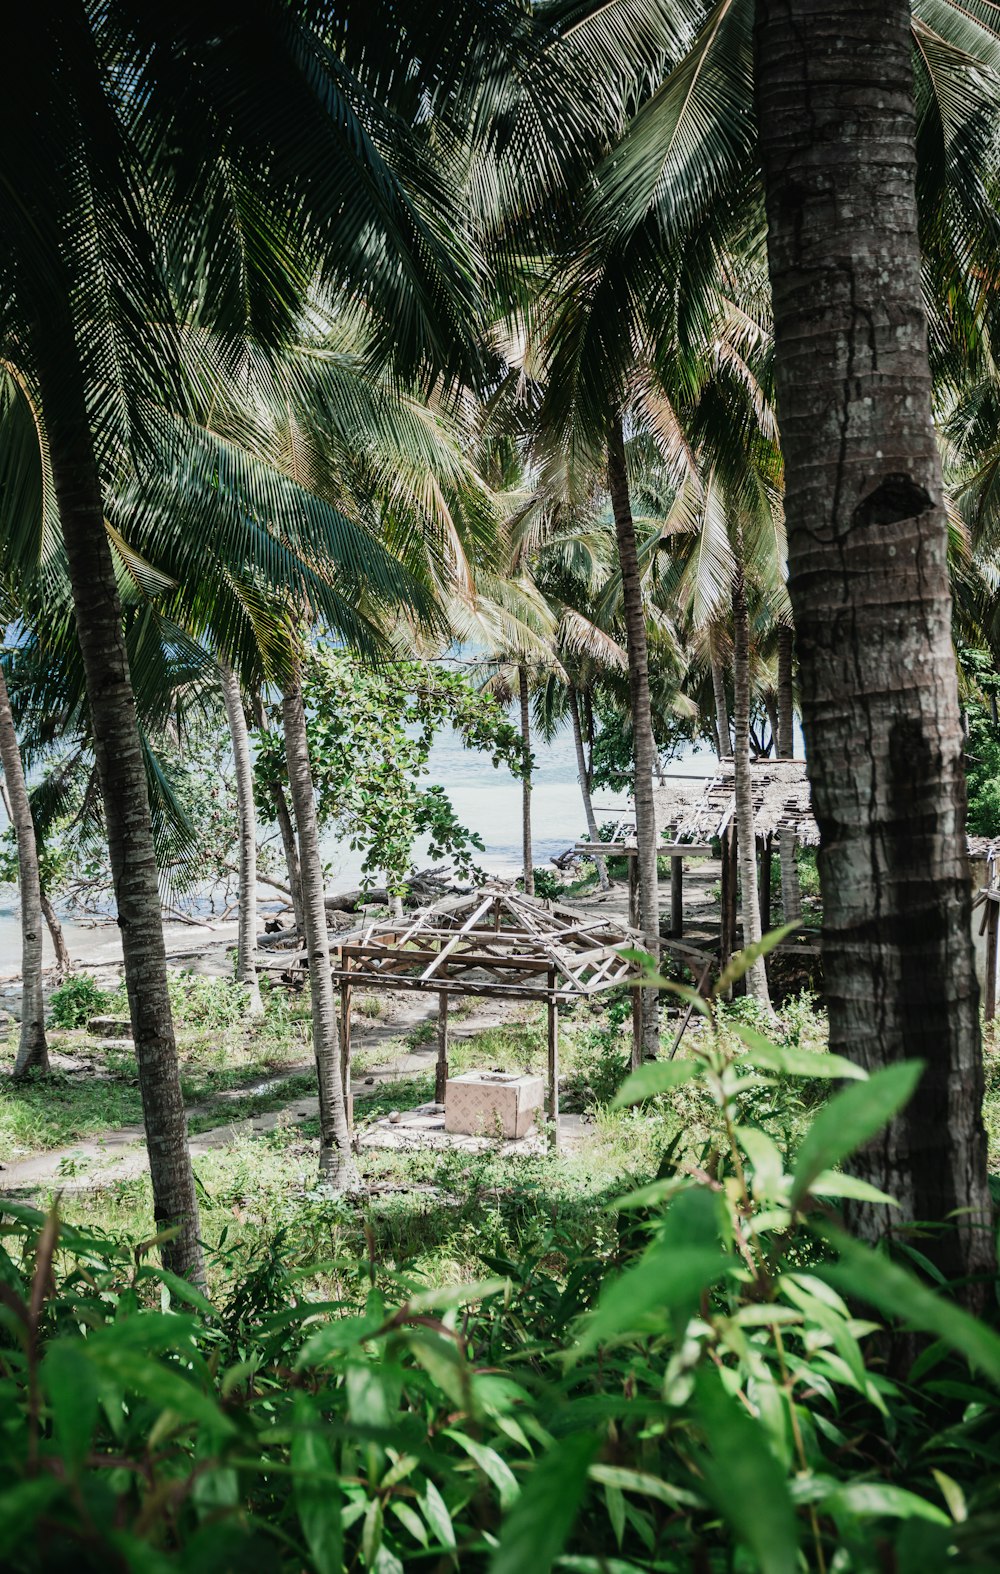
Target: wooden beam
{"type": "Point", "coordinates": [441, 1068]}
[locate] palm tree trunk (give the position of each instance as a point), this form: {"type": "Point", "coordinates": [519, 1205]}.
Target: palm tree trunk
{"type": "Point", "coordinates": [288, 842]}
{"type": "Point", "coordinates": [721, 708]}
{"type": "Point", "coordinates": [527, 856]}
{"type": "Point", "coordinates": [588, 805]}
{"type": "Point", "coordinates": [791, 897]}
{"type": "Point", "coordinates": [745, 835]}
{"type": "Point", "coordinates": [868, 581]}
{"type": "Point", "coordinates": [643, 746]}
{"type": "Point", "coordinates": [336, 1161]}
{"type": "Point", "coordinates": [785, 741]}
{"type": "Point", "coordinates": [64, 962]}
{"type": "Point", "coordinates": [283, 816]}
{"type": "Point", "coordinates": [32, 1048]}
{"type": "Point", "coordinates": [246, 946]}
{"type": "Point", "coordinates": [122, 777]}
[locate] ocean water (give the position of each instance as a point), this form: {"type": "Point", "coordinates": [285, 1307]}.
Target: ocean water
{"type": "Point", "coordinates": [485, 799]}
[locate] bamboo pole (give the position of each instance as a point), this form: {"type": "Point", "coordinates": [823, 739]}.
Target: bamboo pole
{"type": "Point", "coordinates": [553, 1046]}
{"type": "Point", "coordinates": [441, 1070]}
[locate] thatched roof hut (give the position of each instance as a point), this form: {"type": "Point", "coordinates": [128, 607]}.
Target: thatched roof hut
{"type": "Point", "coordinates": [695, 809]}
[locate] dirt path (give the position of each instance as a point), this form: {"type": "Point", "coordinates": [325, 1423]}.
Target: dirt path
{"type": "Point", "coordinates": [117, 1155]}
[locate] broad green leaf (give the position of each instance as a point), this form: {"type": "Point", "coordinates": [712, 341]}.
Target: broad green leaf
{"type": "Point", "coordinates": [849, 1119]}
{"type": "Point", "coordinates": [744, 960]}
{"type": "Point", "coordinates": [872, 1499]}
{"type": "Point", "coordinates": [794, 1062]}
{"type": "Point", "coordinates": [645, 1485]}
{"type": "Point", "coordinates": [953, 1496]}
{"type": "Point", "coordinates": [871, 1277]}
{"type": "Point", "coordinates": [437, 1516]}
{"type": "Point", "coordinates": [371, 1531]}
{"type": "Point", "coordinates": [343, 1333]}
{"type": "Point", "coordinates": [743, 1478]}
{"type": "Point", "coordinates": [449, 1295]}
{"type": "Point", "coordinates": [656, 1076]}
{"type": "Point", "coordinates": [410, 1518]}
{"type": "Point", "coordinates": [830, 1183]}
{"type": "Point", "coordinates": [443, 1363]}
{"type": "Point", "coordinates": [614, 1502]}
{"type": "Point", "coordinates": [495, 1468]}
{"type": "Point", "coordinates": [536, 1529]}
{"type": "Point", "coordinates": [765, 1156]}
{"type": "Point", "coordinates": [684, 1260]}
{"type": "Point", "coordinates": [647, 1196]}
{"type": "Point", "coordinates": [74, 1397]}
{"type": "Point", "coordinates": [316, 1488]}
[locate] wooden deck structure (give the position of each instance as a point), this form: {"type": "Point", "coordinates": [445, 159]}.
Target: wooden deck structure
{"type": "Point", "coordinates": [490, 942]}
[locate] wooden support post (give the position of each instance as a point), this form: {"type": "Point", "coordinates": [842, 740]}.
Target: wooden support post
{"type": "Point", "coordinates": [728, 901]}
{"type": "Point", "coordinates": [633, 890]}
{"type": "Point", "coordinates": [345, 1037]}
{"type": "Point", "coordinates": [441, 1070]}
{"type": "Point", "coordinates": [676, 895]}
{"type": "Point", "coordinates": [992, 932]}
{"type": "Point", "coordinates": [764, 884]}
{"type": "Point", "coordinates": [636, 1029]}
{"type": "Point", "coordinates": [734, 881]}
{"type": "Point", "coordinates": [553, 1037]}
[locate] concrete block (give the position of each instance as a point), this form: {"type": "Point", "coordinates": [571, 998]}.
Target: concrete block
{"type": "Point", "coordinates": [110, 1027]}
{"type": "Point", "coordinates": [486, 1103]}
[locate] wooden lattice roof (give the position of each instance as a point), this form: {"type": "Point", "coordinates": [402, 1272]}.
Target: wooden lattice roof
{"type": "Point", "coordinates": [694, 809]}
{"type": "Point", "coordinates": [491, 942]}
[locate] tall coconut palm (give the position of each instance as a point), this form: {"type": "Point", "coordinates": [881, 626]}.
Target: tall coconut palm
{"type": "Point", "coordinates": [32, 1050]}
{"type": "Point", "coordinates": [869, 586]}
{"type": "Point", "coordinates": [226, 117]}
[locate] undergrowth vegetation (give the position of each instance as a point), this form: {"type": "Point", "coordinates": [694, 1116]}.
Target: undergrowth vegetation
{"type": "Point", "coordinates": [703, 1373]}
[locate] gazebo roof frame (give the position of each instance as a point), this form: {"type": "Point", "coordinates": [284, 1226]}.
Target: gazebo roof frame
{"type": "Point", "coordinates": [491, 942]}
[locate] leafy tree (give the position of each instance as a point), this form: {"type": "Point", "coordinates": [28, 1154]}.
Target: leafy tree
{"type": "Point", "coordinates": [370, 732]}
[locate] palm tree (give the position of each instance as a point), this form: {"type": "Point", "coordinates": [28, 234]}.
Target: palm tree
{"type": "Point", "coordinates": [246, 969]}
{"type": "Point", "coordinates": [868, 544]}
{"type": "Point", "coordinates": [229, 129]}
{"type": "Point", "coordinates": [32, 1051]}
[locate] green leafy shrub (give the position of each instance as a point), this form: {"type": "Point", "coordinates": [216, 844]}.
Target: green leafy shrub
{"type": "Point", "coordinates": [699, 1390]}
{"type": "Point", "coordinates": [77, 1000]}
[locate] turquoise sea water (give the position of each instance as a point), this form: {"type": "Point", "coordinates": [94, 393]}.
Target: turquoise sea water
{"type": "Point", "coordinates": [487, 800]}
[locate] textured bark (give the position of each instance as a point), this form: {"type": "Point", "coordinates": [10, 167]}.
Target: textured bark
{"type": "Point", "coordinates": [64, 962]}
{"type": "Point", "coordinates": [746, 840]}
{"type": "Point", "coordinates": [246, 946]}
{"type": "Point", "coordinates": [724, 740]}
{"type": "Point", "coordinates": [336, 1161]}
{"type": "Point", "coordinates": [584, 778]}
{"type": "Point", "coordinates": [32, 1048]}
{"type": "Point", "coordinates": [643, 746]}
{"type": "Point", "coordinates": [868, 581]}
{"type": "Point", "coordinates": [126, 809]}
{"type": "Point", "coordinates": [283, 816]}
{"type": "Point", "coordinates": [527, 856]}
{"type": "Point", "coordinates": [785, 738]}
{"type": "Point", "coordinates": [791, 897]}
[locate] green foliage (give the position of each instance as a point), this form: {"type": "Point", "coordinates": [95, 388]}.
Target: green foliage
{"type": "Point", "coordinates": [692, 1391]}
{"type": "Point", "coordinates": [370, 732]}
{"type": "Point", "coordinates": [77, 1000]}
{"type": "Point", "coordinates": [982, 749]}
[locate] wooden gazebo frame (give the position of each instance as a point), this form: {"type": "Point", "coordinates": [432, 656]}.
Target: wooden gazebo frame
{"type": "Point", "coordinates": [493, 943]}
